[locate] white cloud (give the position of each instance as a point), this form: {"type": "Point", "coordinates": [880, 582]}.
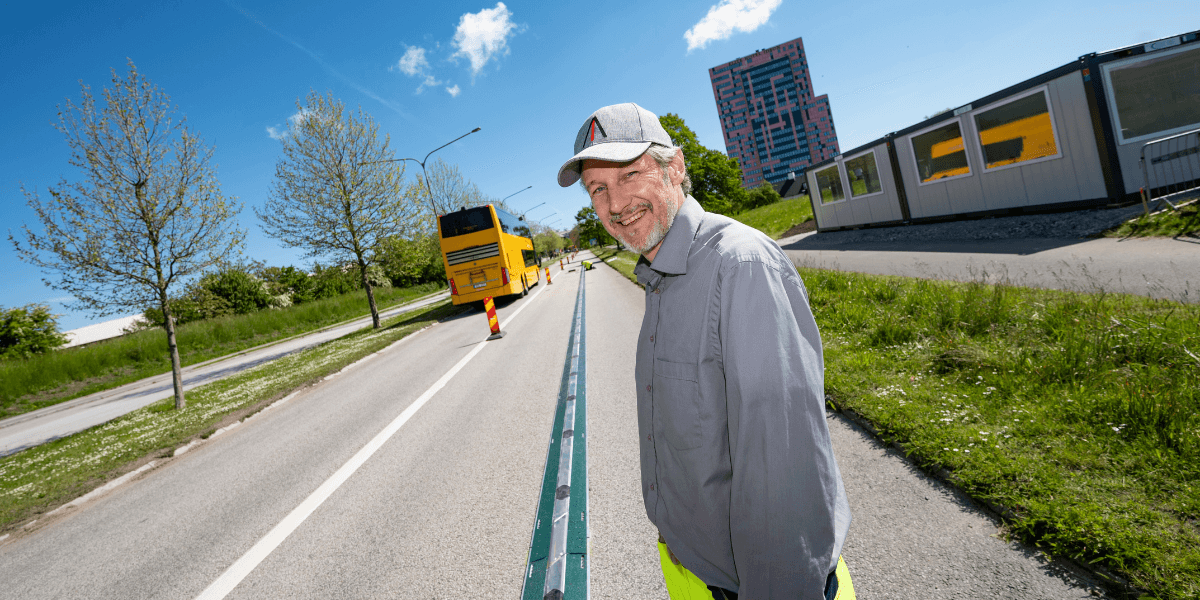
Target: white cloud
{"type": "Point", "coordinates": [297, 119]}
{"type": "Point", "coordinates": [727, 17]}
{"type": "Point", "coordinates": [454, 91]}
{"type": "Point", "coordinates": [279, 132]}
{"type": "Point", "coordinates": [413, 62]}
{"type": "Point", "coordinates": [483, 35]}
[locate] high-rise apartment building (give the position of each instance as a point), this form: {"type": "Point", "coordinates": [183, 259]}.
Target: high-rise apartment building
{"type": "Point", "coordinates": [771, 121]}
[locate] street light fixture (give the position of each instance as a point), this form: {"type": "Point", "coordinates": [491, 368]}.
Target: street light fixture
{"type": "Point", "coordinates": [422, 163]}
{"type": "Point", "coordinates": [514, 194]}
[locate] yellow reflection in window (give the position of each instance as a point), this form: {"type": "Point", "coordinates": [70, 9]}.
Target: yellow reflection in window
{"type": "Point", "coordinates": [1016, 132]}
{"type": "Point", "coordinates": [940, 153]}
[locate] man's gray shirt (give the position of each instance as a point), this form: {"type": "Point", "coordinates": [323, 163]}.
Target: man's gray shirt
{"type": "Point", "coordinates": [737, 469]}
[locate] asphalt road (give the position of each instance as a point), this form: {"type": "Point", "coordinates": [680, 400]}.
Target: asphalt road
{"type": "Point", "coordinates": [1155, 267]}
{"type": "Point", "coordinates": [444, 507]}
{"type": "Point", "coordinates": [40, 426]}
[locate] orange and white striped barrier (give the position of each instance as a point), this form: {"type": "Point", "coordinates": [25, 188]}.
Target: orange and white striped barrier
{"type": "Point", "coordinates": [493, 322]}
{"type": "Point", "coordinates": [560, 264]}
{"type": "Point", "coordinates": [548, 282]}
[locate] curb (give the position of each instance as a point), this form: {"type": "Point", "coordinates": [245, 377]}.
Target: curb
{"type": "Point", "coordinates": [1113, 583]}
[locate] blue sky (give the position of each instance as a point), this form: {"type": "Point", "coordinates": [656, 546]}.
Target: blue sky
{"type": "Point", "coordinates": [526, 73]}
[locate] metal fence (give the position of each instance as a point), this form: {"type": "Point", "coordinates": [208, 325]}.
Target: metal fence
{"type": "Point", "coordinates": [1170, 167]}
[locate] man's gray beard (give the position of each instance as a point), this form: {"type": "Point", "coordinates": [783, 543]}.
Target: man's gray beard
{"type": "Point", "coordinates": [656, 234]}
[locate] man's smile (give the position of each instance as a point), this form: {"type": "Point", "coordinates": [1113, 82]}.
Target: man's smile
{"type": "Point", "coordinates": [637, 214]}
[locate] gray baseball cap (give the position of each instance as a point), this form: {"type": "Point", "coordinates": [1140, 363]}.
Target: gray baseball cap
{"type": "Point", "coordinates": [617, 133]}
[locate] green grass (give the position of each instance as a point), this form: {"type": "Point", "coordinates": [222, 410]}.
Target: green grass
{"type": "Point", "coordinates": [774, 219]}
{"type": "Point", "coordinates": [623, 261]}
{"type": "Point", "coordinates": [47, 476]}
{"type": "Point", "coordinates": [1164, 223]}
{"type": "Point", "coordinates": [1078, 413]}
{"type": "Point", "coordinates": [44, 380]}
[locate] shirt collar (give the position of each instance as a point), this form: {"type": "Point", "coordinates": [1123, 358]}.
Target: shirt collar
{"type": "Point", "coordinates": [673, 253]}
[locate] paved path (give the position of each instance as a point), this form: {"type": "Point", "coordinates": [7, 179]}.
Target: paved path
{"type": "Point", "coordinates": [1154, 267]}
{"type": "Point", "coordinates": [444, 508]}
{"type": "Point", "coordinates": [40, 426]}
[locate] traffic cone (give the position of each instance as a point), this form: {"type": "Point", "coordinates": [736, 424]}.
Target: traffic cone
{"type": "Point", "coordinates": [493, 322]}
{"type": "Point", "coordinates": [548, 282]}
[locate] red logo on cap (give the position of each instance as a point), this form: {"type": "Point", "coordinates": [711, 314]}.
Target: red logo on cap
{"type": "Point", "coordinates": [592, 130]}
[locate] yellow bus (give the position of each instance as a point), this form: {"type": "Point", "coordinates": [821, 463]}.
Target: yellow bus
{"type": "Point", "coordinates": [487, 252]}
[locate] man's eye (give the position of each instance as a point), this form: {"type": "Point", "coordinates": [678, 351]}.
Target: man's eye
{"type": "Point", "coordinates": [597, 190]}
{"type": "Point", "coordinates": [630, 174]}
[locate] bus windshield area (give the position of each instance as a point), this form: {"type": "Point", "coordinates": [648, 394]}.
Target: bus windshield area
{"type": "Point", "coordinates": [466, 221]}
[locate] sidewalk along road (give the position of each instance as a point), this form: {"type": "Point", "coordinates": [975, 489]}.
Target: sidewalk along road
{"type": "Point", "coordinates": [50, 423]}
{"type": "Point", "coordinates": [1154, 267]}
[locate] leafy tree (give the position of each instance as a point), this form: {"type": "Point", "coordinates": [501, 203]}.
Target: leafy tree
{"type": "Point", "coordinates": [716, 178]}
{"type": "Point", "coordinates": [244, 292]}
{"type": "Point", "coordinates": [293, 282]}
{"type": "Point", "coordinates": [546, 240]}
{"type": "Point", "coordinates": [336, 193]}
{"type": "Point", "coordinates": [146, 214]}
{"type": "Point", "coordinates": [28, 330]}
{"type": "Point", "coordinates": [760, 196]}
{"type": "Point", "coordinates": [411, 261]}
{"type": "Point", "coordinates": [590, 228]}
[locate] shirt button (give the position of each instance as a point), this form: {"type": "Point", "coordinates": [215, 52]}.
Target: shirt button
{"type": "Point", "coordinates": [647, 388]}
{"type": "Point", "coordinates": [648, 437]}
{"type": "Point", "coordinates": [652, 487]}
{"type": "Point", "coordinates": [652, 338]}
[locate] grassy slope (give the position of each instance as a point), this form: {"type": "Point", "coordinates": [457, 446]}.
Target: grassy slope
{"type": "Point", "coordinates": [48, 379]}
{"type": "Point", "coordinates": [1078, 413]}
{"type": "Point", "coordinates": [1165, 223]}
{"type": "Point", "coordinates": [774, 219]}
{"type": "Point", "coordinates": [41, 478]}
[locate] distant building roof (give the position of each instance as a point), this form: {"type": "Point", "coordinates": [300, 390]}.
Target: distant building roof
{"type": "Point", "coordinates": [99, 331]}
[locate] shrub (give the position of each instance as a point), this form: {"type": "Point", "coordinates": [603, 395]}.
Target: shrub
{"type": "Point", "coordinates": [293, 282]}
{"type": "Point", "coordinates": [28, 330]}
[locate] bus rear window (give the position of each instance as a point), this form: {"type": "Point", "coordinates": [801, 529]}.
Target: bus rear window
{"type": "Point", "coordinates": [466, 221]}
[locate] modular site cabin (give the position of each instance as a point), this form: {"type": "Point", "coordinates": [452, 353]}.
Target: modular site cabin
{"type": "Point", "coordinates": [1094, 132]}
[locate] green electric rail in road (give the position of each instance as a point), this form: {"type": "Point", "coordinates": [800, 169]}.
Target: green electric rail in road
{"type": "Point", "coordinates": [557, 568]}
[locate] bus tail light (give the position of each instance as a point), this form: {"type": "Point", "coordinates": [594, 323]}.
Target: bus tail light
{"type": "Point", "coordinates": [503, 275]}
{"type": "Point", "coordinates": [453, 288]}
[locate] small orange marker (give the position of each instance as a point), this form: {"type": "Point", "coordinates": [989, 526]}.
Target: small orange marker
{"type": "Point", "coordinates": [548, 282]}
{"type": "Point", "coordinates": [493, 322]}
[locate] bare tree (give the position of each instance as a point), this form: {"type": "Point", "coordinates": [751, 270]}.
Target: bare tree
{"type": "Point", "coordinates": [334, 193]}
{"type": "Point", "coordinates": [146, 214]}
{"type": "Point", "coordinates": [451, 191]}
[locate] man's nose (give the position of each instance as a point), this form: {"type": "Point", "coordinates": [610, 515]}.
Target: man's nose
{"type": "Point", "coordinates": [619, 200]}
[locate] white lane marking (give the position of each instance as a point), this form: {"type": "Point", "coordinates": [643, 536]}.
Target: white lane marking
{"type": "Point", "coordinates": [259, 552]}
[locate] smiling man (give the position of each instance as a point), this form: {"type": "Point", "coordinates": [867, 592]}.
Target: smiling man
{"type": "Point", "coordinates": [737, 469]}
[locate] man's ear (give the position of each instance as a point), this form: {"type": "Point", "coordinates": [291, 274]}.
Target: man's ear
{"type": "Point", "coordinates": [677, 168]}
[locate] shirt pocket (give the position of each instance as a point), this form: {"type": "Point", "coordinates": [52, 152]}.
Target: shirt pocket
{"type": "Point", "coordinates": [676, 400]}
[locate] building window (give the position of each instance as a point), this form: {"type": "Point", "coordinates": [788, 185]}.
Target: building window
{"type": "Point", "coordinates": [940, 154]}
{"type": "Point", "coordinates": [1155, 95]}
{"type": "Point", "coordinates": [863, 175]}
{"type": "Point", "coordinates": [829, 182]}
{"type": "Point", "coordinates": [1018, 131]}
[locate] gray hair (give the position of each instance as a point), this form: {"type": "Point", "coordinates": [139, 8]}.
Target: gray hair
{"type": "Point", "coordinates": [663, 156]}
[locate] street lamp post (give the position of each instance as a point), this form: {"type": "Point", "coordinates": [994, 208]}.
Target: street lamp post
{"type": "Point", "coordinates": [528, 211]}
{"type": "Point", "coordinates": [515, 193]}
{"type": "Point", "coordinates": [425, 174]}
